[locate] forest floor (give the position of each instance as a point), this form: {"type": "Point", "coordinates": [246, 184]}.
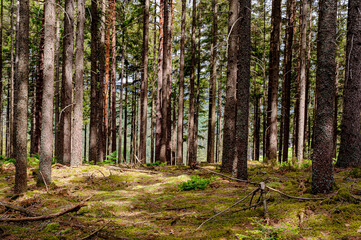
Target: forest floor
{"type": "Point", "coordinates": [151, 205]}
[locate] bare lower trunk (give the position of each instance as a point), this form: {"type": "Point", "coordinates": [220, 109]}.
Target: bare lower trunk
{"type": "Point", "coordinates": [76, 157]}
{"type": "Point", "coordinates": [21, 99]}
{"type": "Point", "coordinates": [322, 169]}
{"type": "Point", "coordinates": [46, 146]}
{"type": "Point", "coordinates": [114, 75]}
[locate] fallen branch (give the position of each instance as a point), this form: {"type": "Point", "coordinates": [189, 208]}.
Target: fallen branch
{"type": "Point", "coordinates": [130, 170]}
{"type": "Point", "coordinates": [19, 209]}
{"type": "Point", "coordinates": [96, 231]}
{"type": "Point", "coordinates": [45, 217]}
{"type": "Point", "coordinates": [238, 202]}
{"type": "Point", "coordinates": [299, 198]}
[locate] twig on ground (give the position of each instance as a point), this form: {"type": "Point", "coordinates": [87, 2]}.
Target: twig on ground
{"type": "Point", "coordinates": [46, 185]}
{"type": "Point", "coordinates": [299, 198]}
{"type": "Point", "coordinates": [102, 173]}
{"type": "Point", "coordinates": [246, 208]}
{"type": "Point", "coordinates": [227, 208]}
{"type": "Point", "coordinates": [96, 231]}
{"type": "Point", "coordinates": [131, 170]}
{"type": "Point", "coordinates": [50, 216]}
{"type": "Point", "coordinates": [19, 209]}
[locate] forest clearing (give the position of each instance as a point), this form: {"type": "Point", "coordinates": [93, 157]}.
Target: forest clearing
{"type": "Point", "coordinates": [148, 203]}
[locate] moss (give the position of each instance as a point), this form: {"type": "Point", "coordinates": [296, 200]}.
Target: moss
{"type": "Point", "coordinates": [65, 231]}
{"type": "Point", "coordinates": [343, 195]}
{"type": "Point", "coordinates": [355, 173]}
{"type": "Point", "coordinates": [52, 227]}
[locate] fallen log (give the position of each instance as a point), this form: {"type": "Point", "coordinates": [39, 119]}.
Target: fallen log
{"type": "Point", "coordinates": [19, 209]}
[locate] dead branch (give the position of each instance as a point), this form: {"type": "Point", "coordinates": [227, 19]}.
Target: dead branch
{"type": "Point", "coordinates": [96, 231]}
{"type": "Point", "coordinates": [130, 170]}
{"type": "Point", "coordinates": [49, 216]}
{"type": "Point", "coordinates": [238, 202]}
{"type": "Point", "coordinates": [299, 198]}
{"type": "Point", "coordinates": [19, 209]}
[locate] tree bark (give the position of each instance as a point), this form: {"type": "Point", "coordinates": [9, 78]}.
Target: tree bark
{"type": "Point", "coordinates": [21, 98]}
{"type": "Point", "coordinates": [67, 83]}
{"type": "Point", "coordinates": [302, 84]}
{"type": "Point", "coordinates": [229, 128]}
{"type": "Point", "coordinates": [144, 86]}
{"type": "Point", "coordinates": [166, 77]}
{"type": "Point", "coordinates": [322, 169]}
{"type": "Point", "coordinates": [350, 148]}
{"type": "Point", "coordinates": [35, 144]}
{"type": "Point", "coordinates": [191, 137]}
{"type": "Point", "coordinates": [77, 135]}
{"type": "Point", "coordinates": [212, 88]}
{"type": "Point", "coordinates": [106, 73]}
{"type": "Point", "coordinates": [46, 146]}
{"type": "Point", "coordinates": [125, 112]}
{"type": "Point", "coordinates": [57, 86]}
{"type": "Point", "coordinates": [121, 114]}
{"type": "Point", "coordinates": [159, 134]}
{"type": "Point", "coordinates": [114, 76]}
{"type": "Point", "coordinates": [243, 85]}
{"type": "Point", "coordinates": [153, 120]}
{"type": "Point", "coordinates": [271, 142]}
{"type": "Point", "coordinates": [94, 79]}
{"type": "Point", "coordinates": [1, 80]}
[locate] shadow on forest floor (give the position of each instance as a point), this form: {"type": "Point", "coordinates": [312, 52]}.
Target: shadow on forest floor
{"type": "Point", "coordinates": [150, 205]}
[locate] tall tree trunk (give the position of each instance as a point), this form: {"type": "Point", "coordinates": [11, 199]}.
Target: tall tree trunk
{"type": "Point", "coordinates": [76, 158]}
{"type": "Point", "coordinates": [166, 77]}
{"type": "Point", "coordinates": [257, 124]}
{"type": "Point", "coordinates": [106, 73]}
{"type": "Point", "coordinates": [212, 88]}
{"type": "Point", "coordinates": [101, 137]}
{"type": "Point", "coordinates": [93, 130]}
{"type": "Point", "coordinates": [229, 128]}
{"type": "Point", "coordinates": [67, 82]}
{"type": "Point", "coordinates": [322, 169]}
{"type": "Point", "coordinates": [197, 98]}
{"type": "Point", "coordinates": [153, 118]}
{"type": "Point", "coordinates": [57, 86]}
{"type": "Point", "coordinates": [1, 80]}
{"type": "Point", "coordinates": [21, 98]}
{"type": "Point", "coordinates": [180, 127]}
{"type": "Point", "coordinates": [11, 84]}
{"type": "Point", "coordinates": [114, 76]}
{"type": "Point", "coordinates": [121, 113]}
{"type": "Point", "coordinates": [144, 86]}
{"type": "Point", "coordinates": [46, 147]}
{"type": "Point", "coordinates": [125, 111]}
{"type": "Point", "coordinates": [191, 137]}
{"type": "Point", "coordinates": [350, 149]}
{"type": "Point", "coordinates": [219, 116]}
{"type": "Point", "coordinates": [271, 142]}
{"type": "Point", "coordinates": [35, 145]}
{"type": "Point", "coordinates": [243, 85]}
{"type": "Point", "coordinates": [159, 134]}
{"type": "Point", "coordinates": [302, 84]}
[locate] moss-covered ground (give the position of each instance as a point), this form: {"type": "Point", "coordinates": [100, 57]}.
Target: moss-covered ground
{"type": "Point", "coordinates": [141, 205]}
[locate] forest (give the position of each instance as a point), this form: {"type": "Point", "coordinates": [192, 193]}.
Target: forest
{"type": "Point", "coordinates": [164, 119]}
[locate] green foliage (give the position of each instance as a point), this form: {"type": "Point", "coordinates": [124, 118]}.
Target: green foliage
{"type": "Point", "coordinates": [6, 160]}
{"type": "Point", "coordinates": [355, 173]}
{"type": "Point", "coordinates": [157, 163]}
{"type": "Point", "coordinates": [267, 232]}
{"type": "Point", "coordinates": [195, 183]}
{"type": "Point", "coordinates": [112, 158]}
{"type": "Point", "coordinates": [52, 227]}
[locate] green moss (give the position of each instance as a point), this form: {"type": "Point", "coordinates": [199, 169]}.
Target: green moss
{"type": "Point", "coordinates": [65, 231]}
{"type": "Point", "coordinates": [52, 227]}
{"type": "Point", "coordinates": [343, 195]}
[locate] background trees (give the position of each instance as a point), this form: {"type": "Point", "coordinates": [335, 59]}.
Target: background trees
{"type": "Point", "coordinates": [152, 91]}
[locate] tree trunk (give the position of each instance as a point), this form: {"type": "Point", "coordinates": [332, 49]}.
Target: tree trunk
{"type": "Point", "coordinates": [21, 98]}
{"type": "Point", "coordinates": [144, 86]}
{"type": "Point", "coordinates": [159, 120]}
{"type": "Point", "coordinates": [153, 120]}
{"type": "Point", "coordinates": [212, 88]}
{"type": "Point", "coordinates": [229, 128]}
{"type": "Point", "coordinates": [1, 80]}
{"type": "Point", "coordinates": [271, 142]}
{"type": "Point", "coordinates": [67, 83]}
{"type": "Point", "coordinates": [46, 147]}
{"type": "Point", "coordinates": [57, 86]}
{"type": "Point", "coordinates": [350, 149]}
{"type": "Point", "coordinates": [93, 145]}
{"type": "Point", "coordinates": [114, 76]}
{"type": "Point", "coordinates": [35, 145]}
{"type": "Point", "coordinates": [322, 169]}
{"type": "Point", "coordinates": [125, 111]}
{"type": "Point", "coordinates": [121, 113]}
{"type": "Point", "coordinates": [76, 158]}
{"type": "Point", "coordinates": [12, 81]}
{"type": "Point", "coordinates": [179, 160]}
{"type": "Point", "coordinates": [219, 117]}
{"type": "Point", "coordinates": [243, 85]}
{"type": "Point", "coordinates": [302, 84]}
{"type": "Point", "coordinates": [167, 64]}
{"type": "Point", "coordinates": [106, 74]}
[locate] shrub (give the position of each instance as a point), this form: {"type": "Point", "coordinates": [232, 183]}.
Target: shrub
{"type": "Point", "coordinates": [195, 183]}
